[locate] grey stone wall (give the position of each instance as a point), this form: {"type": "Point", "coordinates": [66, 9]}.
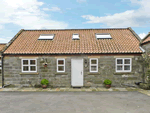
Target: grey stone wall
{"type": "Point", "coordinates": [146, 47]}
{"type": "Point", "coordinates": [106, 70]}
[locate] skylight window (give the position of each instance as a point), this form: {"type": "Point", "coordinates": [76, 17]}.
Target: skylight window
{"type": "Point", "coordinates": [103, 36]}
{"type": "Point", "coordinates": [75, 36]}
{"type": "Point", "coordinates": [46, 37]}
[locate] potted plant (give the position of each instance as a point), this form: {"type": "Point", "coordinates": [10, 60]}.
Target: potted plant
{"type": "Point", "coordinates": [44, 83]}
{"type": "Point", "coordinates": [107, 83]}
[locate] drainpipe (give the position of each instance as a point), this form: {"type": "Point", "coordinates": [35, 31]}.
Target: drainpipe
{"type": "Point", "coordinates": [2, 71]}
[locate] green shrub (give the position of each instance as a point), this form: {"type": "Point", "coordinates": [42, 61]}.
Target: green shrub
{"type": "Point", "coordinates": [107, 82]}
{"type": "Point", "coordinates": [44, 82]}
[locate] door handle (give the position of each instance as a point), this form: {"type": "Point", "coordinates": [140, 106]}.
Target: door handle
{"type": "Point", "coordinates": [81, 72]}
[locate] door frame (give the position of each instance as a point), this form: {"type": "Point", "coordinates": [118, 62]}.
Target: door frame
{"type": "Point", "coordinates": [82, 71]}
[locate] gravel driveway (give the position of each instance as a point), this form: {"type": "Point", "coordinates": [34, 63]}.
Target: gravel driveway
{"type": "Point", "coordinates": [74, 102]}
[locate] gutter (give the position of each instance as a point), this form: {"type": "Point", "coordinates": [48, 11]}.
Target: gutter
{"type": "Point", "coordinates": [142, 49]}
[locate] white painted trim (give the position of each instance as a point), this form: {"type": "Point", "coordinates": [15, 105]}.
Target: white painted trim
{"type": "Point", "coordinates": [60, 65]}
{"type": "Point", "coordinates": [29, 65]}
{"type": "Point", "coordinates": [124, 65]}
{"type": "Point", "coordinates": [94, 64]}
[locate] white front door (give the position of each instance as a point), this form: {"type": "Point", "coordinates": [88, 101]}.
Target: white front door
{"type": "Point", "coordinates": [77, 72]}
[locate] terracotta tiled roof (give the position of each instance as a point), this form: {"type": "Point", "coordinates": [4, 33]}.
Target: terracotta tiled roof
{"type": "Point", "coordinates": [146, 38]}
{"type": "Point", "coordinates": [2, 46]}
{"type": "Point", "coordinates": [123, 41]}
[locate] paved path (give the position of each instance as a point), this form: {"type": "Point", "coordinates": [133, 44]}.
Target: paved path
{"type": "Point", "coordinates": [74, 102]}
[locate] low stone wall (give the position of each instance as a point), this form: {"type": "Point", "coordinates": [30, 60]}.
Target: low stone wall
{"type": "Point", "coordinates": [106, 70]}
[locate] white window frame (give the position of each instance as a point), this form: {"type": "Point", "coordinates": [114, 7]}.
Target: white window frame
{"type": "Point", "coordinates": [0, 65]}
{"type": "Point", "coordinates": [60, 64]}
{"type": "Point", "coordinates": [29, 65]}
{"type": "Point", "coordinates": [46, 37]}
{"type": "Point", "coordinates": [124, 65]}
{"type": "Point", "coordinates": [103, 36]}
{"type": "Point", "coordinates": [75, 37]}
{"type": "Point", "coordinates": [94, 64]}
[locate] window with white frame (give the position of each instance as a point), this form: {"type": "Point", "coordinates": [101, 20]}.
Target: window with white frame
{"type": "Point", "coordinates": [75, 36]}
{"type": "Point", "coordinates": [0, 65]}
{"type": "Point", "coordinates": [93, 65]}
{"type": "Point", "coordinates": [60, 65]}
{"type": "Point", "coordinates": [29, 65]}
{"type": "Point", "coordinates": [123, 64]}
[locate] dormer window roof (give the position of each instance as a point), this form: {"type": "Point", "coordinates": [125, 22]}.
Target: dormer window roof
{"type": "Point", "coordinates": [103, 36]}
{"type": "Point", "coordinates": [46, 37]}
{"type": "Point", "coordinates": [75, 36]}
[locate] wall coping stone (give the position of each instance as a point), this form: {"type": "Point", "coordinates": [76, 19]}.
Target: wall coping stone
{"type": "Point", "coordinates": [29, 73]}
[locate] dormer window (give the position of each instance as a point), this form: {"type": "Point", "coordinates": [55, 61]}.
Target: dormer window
{"type": "Point", "coordinates": [103, 36]}
{"type": "Point", "coordinates": [75, 36]}
{"type": "Point", "coordinates": [46, 37]}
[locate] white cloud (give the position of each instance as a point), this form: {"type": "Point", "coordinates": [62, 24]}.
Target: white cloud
{"type": "Point", "coordinates": [133, 18]}
{"type": "Point", "coordinates": [142, 35]}
{"type": "Point", "coordinates": [80, 1]}
{"type": "Point", "coordinates": [27, 14]}
{"type": "Point", "coordinates": [55, 9]}
{"type": "Point", "coordinates": [5, 40]}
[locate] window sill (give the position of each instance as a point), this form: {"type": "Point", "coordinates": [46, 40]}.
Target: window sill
{"type": "Point", "coordinates": [61, 73]}
{"type": "Point", "coordinates": [120, 73]}
{"type": "Point", "coordinates": [93, 73]}
{"type": "Point", "coordinates": [29, 73]}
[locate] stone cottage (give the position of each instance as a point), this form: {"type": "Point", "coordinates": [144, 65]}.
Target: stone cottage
{"type": "Point", "coordinates": [73, 57]}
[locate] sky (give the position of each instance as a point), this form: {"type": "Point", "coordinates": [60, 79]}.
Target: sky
{"type": "Point", "coordinates": [73, 14]}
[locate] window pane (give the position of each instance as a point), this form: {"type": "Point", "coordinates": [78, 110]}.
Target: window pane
{"type": "Point", "coordinates": [60, 68]}
{"type": "Point", "coordinates": [32, 68]}
{"type": "Point", "coordinates": [127, 67]}
{"type": "Point", "coordinates": [32, 62]}
{"type": "Point", "coordinates": [93, 68]}
{"type": "Point", "coordinates": [119, 61]}
{"type": "Point", "coordinates": [60, 61]}
{"type": "Point", "coordinates": [25, 62]}
{"type": "Point", "coordinates": [93, 61]}
{"type": "Point", "coordinates": [119, 67]}
{"type": "Point", "coordinates": [127, 61]}
{"type": "Point", "coordinates": [25, 68]}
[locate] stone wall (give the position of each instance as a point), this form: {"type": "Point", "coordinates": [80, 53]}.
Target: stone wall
{"type": "Point", "coordinates": [106, 70]}
{"type": "Point", "coordinates": [146, 47]}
